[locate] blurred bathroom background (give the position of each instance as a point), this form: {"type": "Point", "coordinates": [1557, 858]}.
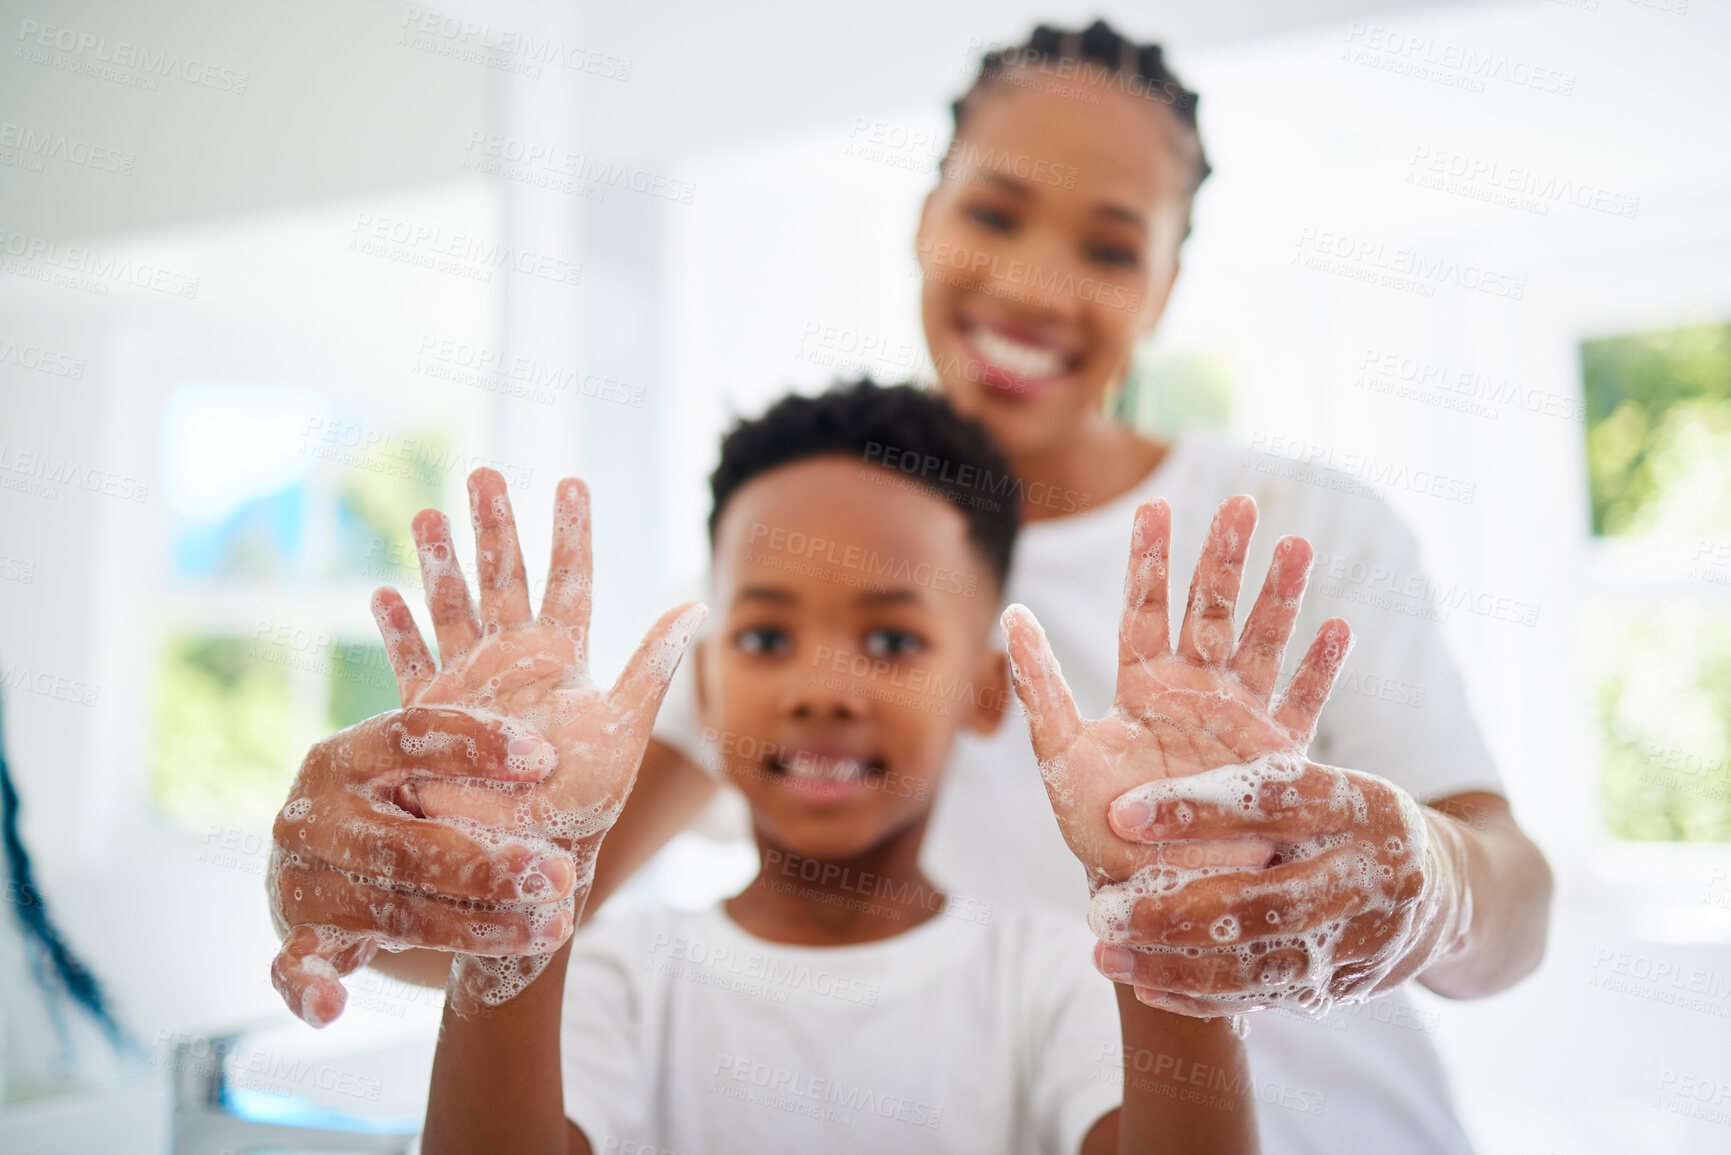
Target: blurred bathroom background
{"type": "Point", "coordinates": [273, 277]}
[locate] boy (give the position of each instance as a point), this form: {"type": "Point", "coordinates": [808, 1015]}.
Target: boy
{"type": "Point", "coordinates": [840, 1002]}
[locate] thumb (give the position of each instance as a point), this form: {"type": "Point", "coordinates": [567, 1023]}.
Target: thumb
{"type": "Point", "coordinates": [1053, 721]}
{"type": "Point", "coordinates": [638, 692]}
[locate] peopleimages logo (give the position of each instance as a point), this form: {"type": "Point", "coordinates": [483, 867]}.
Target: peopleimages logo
{"type": "Point", "coordinates": [87, 49]}
{"type": "Point", "coordinates": [840, 555]}
{"type": "Point", "coordinates": [928, 468]}
{"type": "Point", "coordinates": [1543, 188]}
{"type": "Point", "coordinates": [1368, 259]}
{"type": "Point", "coordinates": [88, 269]}
{"type": "Point", "coordinates": [42, 144]}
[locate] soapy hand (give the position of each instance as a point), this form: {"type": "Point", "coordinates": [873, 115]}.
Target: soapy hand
{"type": "Point", "coordinates": [1177, 711]}
{"type": "Point", "coordinates": [1367, 890]}
{"type": "Point", "coordinates": [469, 820]}
{"type": "Point", "coordinates": [1358, 887]}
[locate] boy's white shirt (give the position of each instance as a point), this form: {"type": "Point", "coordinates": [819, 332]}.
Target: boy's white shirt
{"type": "Point", "coordinates": [977, 1030]}
{"type": "Point", "coordinates": [1367, 1078]}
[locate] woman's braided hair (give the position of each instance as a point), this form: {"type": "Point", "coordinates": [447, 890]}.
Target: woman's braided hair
{"type": "Point", "coordinates": [1115, 60]}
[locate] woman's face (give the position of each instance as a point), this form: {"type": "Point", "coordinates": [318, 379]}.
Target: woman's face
{"type": "Point", "coordinates": [1047, 249]}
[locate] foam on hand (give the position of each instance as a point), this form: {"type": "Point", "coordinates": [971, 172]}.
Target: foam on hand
{"type": "Point", "coordinates": [1399, 879]}
{"type": "Point", "coordinates": [510, 743]}
{"type": "Point", "coordinates": [1054, 768]}
{"type": "Point", "coordinates": [600, 739]}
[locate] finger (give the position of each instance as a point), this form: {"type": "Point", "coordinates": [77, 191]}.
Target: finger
{"type": "Point", "coordinates": [429, 740]}
{"type": "Point", "coordinates": [498, 559]}
{"type": "Point", "coordinates": [1145, 624]}
{"type": "Point", "coordinates": [1208, 854]}
{"type": "Point", "coordinates": [1187, 1005]}
{"type": "Point", "coordinates": [1225, 980]}
{"type": "Point", "coordinates": [1364, 942]}
{"type": "Point", "coordinates": [454, 622]}
{"type": "Point", "coordinates": [1231, 909]}
{"type": "Point", "coordinates": [404, 646]}
{"type": "Point", "coordinates": [569, 586]}
{"type": "Point", "coordinates": [388, 846]}
{"type": "Point", "coordinates": [402, 918]}
{"type": "Point", "coordinates": [1285, 800]}
{"type": "Point", "coordinates": [1053, 721]}
{"type": "Point", "coordinates": [490, 804]}
{"type": "Point", "coordinates": [1206, 636]}
{"type": "Point", "coordinates": [636, 696]}
{"type": "Point", "coordinates": [1144, 629]}
{"type": "Point", "coordinates": [308, 971]}
{"type": "Point", "coordinates": [1301, 704]}
{"type": "Point", "coordinates": [1263, 642]}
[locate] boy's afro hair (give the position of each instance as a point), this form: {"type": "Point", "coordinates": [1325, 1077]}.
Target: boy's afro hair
{"type": "Point", "coordinates": [899, 429]}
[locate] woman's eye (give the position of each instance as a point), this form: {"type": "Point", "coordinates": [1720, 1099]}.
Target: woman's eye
{"type": "Point", "coordinates": [761, 640]}
{"type": "Point", "coordinates": [990, 218]}
{"type": "Point", "coordinates": [888, 643]}
{"type": "Point", "coordinates": [1114, 255]}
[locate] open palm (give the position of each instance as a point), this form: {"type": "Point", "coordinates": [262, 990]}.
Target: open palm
{"type": "Point", "coordinates": [531, 672]}
{"type": "Point", "coordinates": [1177, 711]}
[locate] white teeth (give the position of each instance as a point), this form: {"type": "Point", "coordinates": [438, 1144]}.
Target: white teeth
{"type": "Point", "coordinates": [1022, 360]}
{"type": "Point", "coordinates": [829, 769]}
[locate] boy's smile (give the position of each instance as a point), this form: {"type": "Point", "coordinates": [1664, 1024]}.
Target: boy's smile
{"type": "Point", "coordinates": [853, 639]}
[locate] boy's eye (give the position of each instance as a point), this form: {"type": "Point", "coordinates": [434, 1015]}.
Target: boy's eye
{"type": "Point", "coordinates": [762, 640]}
{"type": "Point", "coordinates": [893, 643]}
{"type": "Point", "coordinates": [990, 218]}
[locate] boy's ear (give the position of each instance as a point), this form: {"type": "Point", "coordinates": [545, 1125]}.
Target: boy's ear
{"type": "Point", "coordinates": [987, 708]}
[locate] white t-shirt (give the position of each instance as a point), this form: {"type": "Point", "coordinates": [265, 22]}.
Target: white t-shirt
{"type": "Point", "coordinates": [1399, 710]}
{"type": "Point", "coordinates": [990, 1032]}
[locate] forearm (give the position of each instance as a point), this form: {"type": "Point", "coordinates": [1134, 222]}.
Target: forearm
{"type": "Point", "coordinates": [1187, 1083]}
{"type": "Point", "coordinates": [496, 1080]}
{"type": "Point", "coordinates": [1509, 884]}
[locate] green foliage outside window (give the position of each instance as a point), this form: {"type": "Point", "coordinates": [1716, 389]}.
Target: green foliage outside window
{"type": "Point", "coordinates": [223, 746]}
{"type": "Point", "coordinates": [1663, 677]}
{"type": "Point", "coordinates": [1659, 471]}
{"type": "Point", "coordinates": [228, 737]}
{"type": "Point", "coordinates": [1659, 432]}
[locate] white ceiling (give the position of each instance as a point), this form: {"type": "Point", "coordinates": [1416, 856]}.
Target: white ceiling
{"type": "Point", "coordinates": [337, 107]}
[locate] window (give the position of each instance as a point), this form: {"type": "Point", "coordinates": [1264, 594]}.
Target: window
{"type": "Point", "coordinates": [1658, 632]}
{"type": "Point", "coordinates": [283, 519]}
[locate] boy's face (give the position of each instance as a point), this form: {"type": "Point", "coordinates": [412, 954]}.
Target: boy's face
{"type": "Point", "coordinates": [853, 640]}
{"type": "Point", "coordinates": [1048, 249]}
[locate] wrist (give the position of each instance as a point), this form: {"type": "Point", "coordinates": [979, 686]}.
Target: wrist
{"type": "Point", "coordinates": [1448, 892]}
{"type": "Point", "coordinates": [483, 987]}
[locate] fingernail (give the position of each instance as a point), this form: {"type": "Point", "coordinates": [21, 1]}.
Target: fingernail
{"type": "Point", "coordinates": [1116, 963]}
{"type": "Point", "coordinates": [310, 1011]}
{"type": "Point", "coordinates": [553, 874]}
{"type": "Point", "coordinates": [1134, 814]}
{"type": "Point", "coordinates": [533, 753]}
{"type": "Point", "coordinates": [1149, 998]}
